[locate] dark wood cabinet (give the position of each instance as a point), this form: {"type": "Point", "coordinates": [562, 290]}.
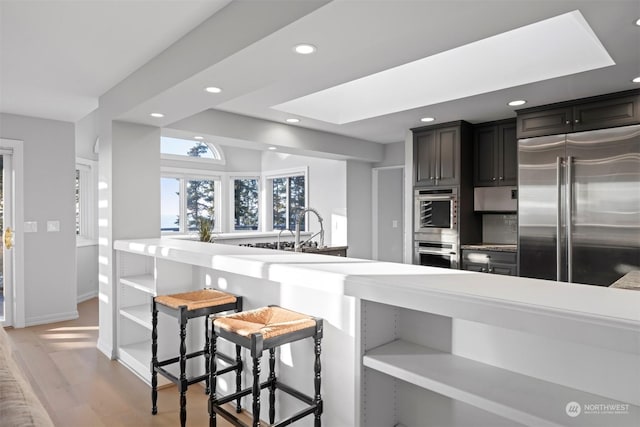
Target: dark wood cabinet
{"type": "Point", "coordinates": [495, 154]}
{"type": "Point", "coordinates": [437, 153]}
{"type": "Point", "coordinates": [600, 112]}
{"type": "Point", "coordinates": [487, 261]}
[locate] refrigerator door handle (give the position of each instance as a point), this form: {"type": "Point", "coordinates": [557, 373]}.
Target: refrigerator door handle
{"type": "Point", "coordinates": [569, 220]}
{"type": "Point", "coordinates": [558, 218]}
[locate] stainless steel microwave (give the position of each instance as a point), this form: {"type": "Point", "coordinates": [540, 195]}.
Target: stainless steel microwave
{"type": "Point", "coordinates": [436, 211]}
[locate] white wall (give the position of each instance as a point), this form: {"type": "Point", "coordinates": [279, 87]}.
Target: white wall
{"type": "Point", "coordinates": [393, 155]}
{"type": "Point", "coordinates": [326, 192]}
{"type": "Point", "coordinates": [86, 133]}
{"type": "Point", "coordinates": [128, 206]}
{"type": "Point", "coordinates": [359, 209]}
{"type": "Point", "coordinates": [49, 177]}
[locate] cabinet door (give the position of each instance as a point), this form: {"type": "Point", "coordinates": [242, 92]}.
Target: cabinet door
{"type": "Point", "coordinates": [425, 157]}
{"type": "Point", "coordinates": [484, 155]}
{"type": "Point", "coordinates": [606, 113]}
{"type": "Point", "coordinates": [447, 155]}
{"type": "Point", "coordinates": [547, 122]}
{"type": "Point", "coordinates": [472, 266]}
{"type": "Point", "coordinates": [504, 269]}
{"type": "Point", "coordinates": [507, 155]}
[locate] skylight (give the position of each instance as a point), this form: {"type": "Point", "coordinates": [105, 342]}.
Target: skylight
{"type": "Point", "coordinates": [555, 47]}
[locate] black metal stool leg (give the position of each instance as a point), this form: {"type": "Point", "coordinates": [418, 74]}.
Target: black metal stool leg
{"type": "Point", "coordinates": [256, 391]}
{"type": "Point", "coordinates": [183, 366]}
{"type": "Point", "coordinates": [316, 369]}
{"type": "Point", "coordinates": [272, 385]}
{"type": "Point", "coordinates": [238, 377]}
{"type": "Point", "coordinates": [154, 357]}
{"type": "Point", "coordinates": [213, 380]}
{"type": "Point", "coordinates": [207, 354]}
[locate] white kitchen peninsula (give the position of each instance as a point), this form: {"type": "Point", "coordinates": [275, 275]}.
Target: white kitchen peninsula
{"type": "Point", "coordinates": [413, 345]}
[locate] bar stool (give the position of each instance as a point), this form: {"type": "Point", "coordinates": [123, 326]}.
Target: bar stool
{"type": "Point", "coordinates": [185, 306]}
{"type": "Point", "coordinates": [262, 329]}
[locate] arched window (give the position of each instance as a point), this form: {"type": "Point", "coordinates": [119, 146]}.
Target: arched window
{"type": "Point", "coordinates": [190, 190]}
{"type": "Point", "coordinates": [187, 149]}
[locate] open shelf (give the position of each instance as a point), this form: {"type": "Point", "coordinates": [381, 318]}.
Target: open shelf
{"type": "Point", "coordinates": [142, 282]}
{"type": "Point", "coordinates": [140, 314]}
{"type": "Point", "coordinates": [514, 396]}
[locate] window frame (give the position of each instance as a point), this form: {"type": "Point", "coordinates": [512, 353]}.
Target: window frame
{"type": "Point", "coordinates": [87, 201]}
{"type": "Point", "coordinates": [267, 180]}
{"type": "Point", "coordinates": [187, 174]}
{"type": "Point", "coordinates": [232, 205]}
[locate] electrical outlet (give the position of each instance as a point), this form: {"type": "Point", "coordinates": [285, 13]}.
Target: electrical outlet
{"type": "Point", "coordinates": [53, 226]}
{"type": "Point", "coordinates": [30, 226]}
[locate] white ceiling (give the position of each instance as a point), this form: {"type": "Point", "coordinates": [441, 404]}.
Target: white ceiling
{"type": "Point", "coordinates": [58, 57]}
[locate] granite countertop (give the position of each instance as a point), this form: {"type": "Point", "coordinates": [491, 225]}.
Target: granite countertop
{"type": "Point", "coordinates": [499, 247]}
{"type": "Point", "coordinates": [631, 280]}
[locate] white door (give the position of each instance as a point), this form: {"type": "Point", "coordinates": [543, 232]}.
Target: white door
{"type": "Point", "coordinates": [388, 214]}
{"type": "Point", "coordinates": [12, 264]}
{"type": "Point", "coordinates": [8, 230]}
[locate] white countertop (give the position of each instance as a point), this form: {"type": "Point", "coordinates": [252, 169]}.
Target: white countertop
{"type": "Point", "coordinates": [362, 278]}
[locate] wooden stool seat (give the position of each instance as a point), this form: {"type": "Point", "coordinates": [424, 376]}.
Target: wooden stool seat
{"type": "Point", "coordinates": [193, 300]}
{"type": "Point", "coordinates": [270, 322]}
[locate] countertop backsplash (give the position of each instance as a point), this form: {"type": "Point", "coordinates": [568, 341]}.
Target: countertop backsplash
{"type": "Point", "coordinates": [500, 228]}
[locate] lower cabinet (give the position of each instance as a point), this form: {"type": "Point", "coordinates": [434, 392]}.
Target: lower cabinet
{"type": "Point", "coordinates": [486, 261]}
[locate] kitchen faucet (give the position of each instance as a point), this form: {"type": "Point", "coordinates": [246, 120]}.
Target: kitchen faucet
{"type": "Point", "coordinates": [280, 234]}
{"type": "Point", "coordinates": [299, 216]}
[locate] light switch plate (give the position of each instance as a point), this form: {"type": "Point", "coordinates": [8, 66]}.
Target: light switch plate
{"type": "Point", "coordinates": [30, 226]}
{"type": "Point", "coordinates": [53, 226]}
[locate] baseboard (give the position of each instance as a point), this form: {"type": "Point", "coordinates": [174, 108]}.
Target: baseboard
{"type": "Point", "coordinates": [51, 318]}
{"type": "Point", "coordinates": [87, 296]}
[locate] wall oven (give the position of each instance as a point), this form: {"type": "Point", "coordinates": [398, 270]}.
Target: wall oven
{"type": "Point", "coordinates": [436, 211]}
{"type": "Point", "coordinates": [436, 254]}
{"type": "Point", "coordinates": [436, 239]}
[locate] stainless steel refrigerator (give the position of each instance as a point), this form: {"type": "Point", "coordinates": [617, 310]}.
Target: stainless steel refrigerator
{"type": "Point", "coordinates": [579, 206]}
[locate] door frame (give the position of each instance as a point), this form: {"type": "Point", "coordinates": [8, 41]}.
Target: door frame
{"type": "Point", "coordinates": [375, 176]}
{"type": "Point", "coordinates": [17, 311]}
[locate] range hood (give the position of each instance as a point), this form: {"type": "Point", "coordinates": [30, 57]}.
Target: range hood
{"type": "Point", "coordinates": [495, 199]}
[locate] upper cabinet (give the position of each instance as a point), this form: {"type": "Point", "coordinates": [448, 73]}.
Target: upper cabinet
{"type": "Point", "coordinates": [495, 152]}
{"type": "Point", "coordinates": [617, 109]}
{"type": "Point", "coordinates": [439, 153]}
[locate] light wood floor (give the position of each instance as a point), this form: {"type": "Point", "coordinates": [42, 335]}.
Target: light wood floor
{"type": "Point", "coordinates": [80, 386]}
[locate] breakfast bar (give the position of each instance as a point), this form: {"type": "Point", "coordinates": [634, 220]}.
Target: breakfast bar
{"type": "Point", "coordinates": [410, 345]}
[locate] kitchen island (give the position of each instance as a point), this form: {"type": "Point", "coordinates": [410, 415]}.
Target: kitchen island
{"type": "Point", "coordinates": [409, 344]}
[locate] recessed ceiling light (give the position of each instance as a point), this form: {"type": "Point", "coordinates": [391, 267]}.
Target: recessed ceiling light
{"type": "Point", "coordinates": [517, 102]}
{"type": "Point", "coordinates": [636, 80]}
{"type": "Point", "coordinates": [213, 89]}
{"type": "Point", "coordinates": [272, 148]}
{"type": "Point", "coordinates": [199, 138]}
{"type": "Point", "coordinates": [427, 119]}
{"type": "Point", "coordinates": [156, 115]}
{"type": "Point", "coordinates": [304, 49]}
{"type": "Point", "coordinates": [292, 120]}
{"type": "Point", "coordinates": [638, 22]}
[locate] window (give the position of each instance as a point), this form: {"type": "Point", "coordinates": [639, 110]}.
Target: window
{"type": "Point", "coordinates": [186, 201]}
{"type": "Point", "coordinates": [245, 202]}
{"type": "Point", "coordinates": [85, 200]}
{"type": "Point", "coordinates": [179, 149]}
{"type": "Point", "coordinates": [188, 189]}
{"type": "Point", "coordinates": [288, 196]}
